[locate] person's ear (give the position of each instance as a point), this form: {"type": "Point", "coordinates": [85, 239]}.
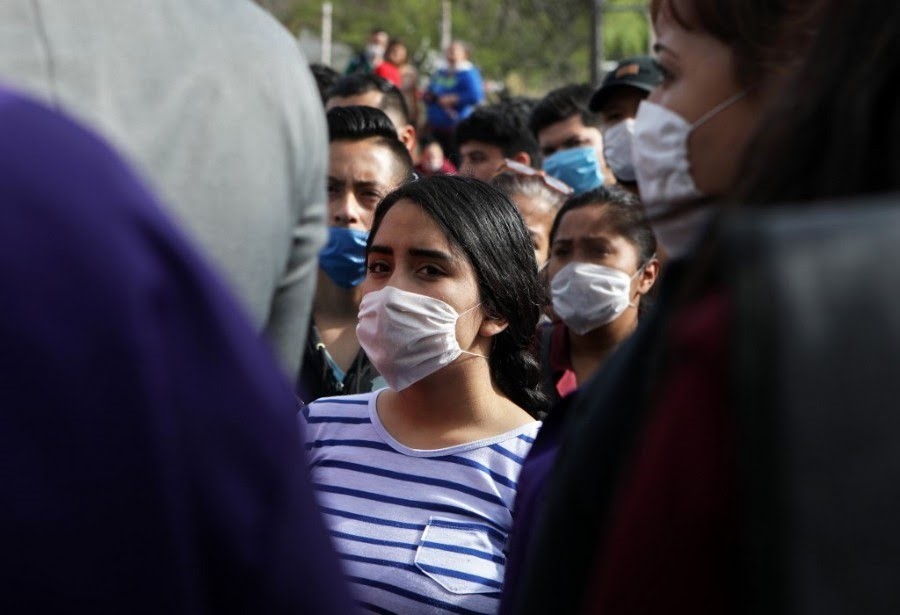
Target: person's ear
{"type": "Point", "coordinates": [648, 277]}
{"type": "Point", "coordinates": [522, 157]}
{"type": "Point", "coordinates": [492, 325]}
{"type": "Point", "coordinates": [407, 136]}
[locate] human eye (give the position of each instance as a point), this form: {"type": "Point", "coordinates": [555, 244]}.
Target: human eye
{"type": "Point", "coordinates": [370, 197]}
{"type": "Point", "coordinates": [560, 251]}
{"type": "Point", "coordinates": [431, 271]}
{"type": "Point", "coordinates": [378, 267]}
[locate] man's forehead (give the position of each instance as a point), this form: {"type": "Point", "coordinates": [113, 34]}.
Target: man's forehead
{"type": "Point", "coordinates": [361, 161]}
{"type": "Point", "coordinates": [558, 133]}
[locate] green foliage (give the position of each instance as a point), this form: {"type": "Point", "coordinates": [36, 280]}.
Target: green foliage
{"type": "Point", "coordinates": [532, 45]}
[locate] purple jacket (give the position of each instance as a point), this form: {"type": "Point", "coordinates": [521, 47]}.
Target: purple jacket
{"type": "Point", "coordinates": [150, 459]}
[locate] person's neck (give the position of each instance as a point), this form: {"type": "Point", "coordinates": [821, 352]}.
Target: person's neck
{"type": "Point", "coordinates": [589, 351]}
{"type": "Point", "coordinates": [457, 404]}
{"type": "Point", "coordinates": [333, 303]}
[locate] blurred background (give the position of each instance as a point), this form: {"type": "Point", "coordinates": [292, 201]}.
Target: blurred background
{"type": "Point", "coordinates": [523, 47]}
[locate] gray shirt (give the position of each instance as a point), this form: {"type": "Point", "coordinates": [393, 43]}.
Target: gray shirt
{"type": "Point", "coordinates": [212, 101]}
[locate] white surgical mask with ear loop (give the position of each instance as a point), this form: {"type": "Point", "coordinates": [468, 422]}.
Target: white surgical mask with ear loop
{"type": "Point", "coordinates": [587, 296]}
{"type": "Point", "coordinates": [408, 336]}
{"type": "Point", "coordinates": [662, 168]}
{"type": "Point", "coordinates": [617, 140]}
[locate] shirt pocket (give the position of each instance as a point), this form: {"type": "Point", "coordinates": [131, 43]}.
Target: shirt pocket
{"type": "Point", "coordinates": [463, 558]}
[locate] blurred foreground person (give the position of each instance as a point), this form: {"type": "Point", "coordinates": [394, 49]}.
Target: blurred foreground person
{"type": "Point", "coordinates": [638, 507]}
{"type": "Point", "coordinates": [148, 449]}
{"type": "Point", "coordinates": [215, 105]}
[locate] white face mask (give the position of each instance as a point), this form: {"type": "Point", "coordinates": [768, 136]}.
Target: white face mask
{"type": "Point", "coordinates": [663, 171]}
{"type": "Point", "coordinates": [587, 296]}
{"type": "Point", "coordinates": [617, 149]}
{"type": "Point", "coordinates": [408, 336]}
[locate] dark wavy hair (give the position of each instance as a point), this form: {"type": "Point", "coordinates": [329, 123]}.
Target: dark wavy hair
{"type": "Point", "coordinates": [486, 226]}
{"type": "Point", "coordinates": [497, 125]}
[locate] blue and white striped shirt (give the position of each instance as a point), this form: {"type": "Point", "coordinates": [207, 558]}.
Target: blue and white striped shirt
{"type": "Point", "coordinates": [417, 530]}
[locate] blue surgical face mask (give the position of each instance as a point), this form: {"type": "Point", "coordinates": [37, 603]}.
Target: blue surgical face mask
{"type": "Point", "coordinates": [577, 167]}
{"type": "Point", "coordinates": [344, 256]}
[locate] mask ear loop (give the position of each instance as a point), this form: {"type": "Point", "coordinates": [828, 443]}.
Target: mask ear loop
{"type": "Point", "coordinates": [718, 109]}
{"type": "Point", "coordinates": [458, 316]}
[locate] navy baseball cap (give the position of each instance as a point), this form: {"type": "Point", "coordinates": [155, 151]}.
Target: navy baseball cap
{"type": "Point", "coordinates": [639, 72]}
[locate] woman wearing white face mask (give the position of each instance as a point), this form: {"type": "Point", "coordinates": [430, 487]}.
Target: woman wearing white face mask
{"type": "Point", "coordinates": [417, 481]}
{"type": "Point", "coordinates": [602, 263]}
{"type": "Point", "coordinates": [640, 509]}
{"type": "Point", "coordinates": [690, 133]}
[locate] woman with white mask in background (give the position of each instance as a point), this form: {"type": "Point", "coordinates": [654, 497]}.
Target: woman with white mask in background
{"type": "Point", "coordinates": [417, 481]}
{"type": "Point", "coordinates": [602, 264]}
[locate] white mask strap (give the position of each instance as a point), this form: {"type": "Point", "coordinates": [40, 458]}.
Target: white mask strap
{"type": "Point", "coordinates": [718, 108]}
{"type": "Point", "coordinates": [474, 354]}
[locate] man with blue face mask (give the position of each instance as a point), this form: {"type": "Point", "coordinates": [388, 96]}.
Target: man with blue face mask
{"type": "Point", "coordinates": [569, 136]}
{"type": "Point", "coordinates": [366, 161]}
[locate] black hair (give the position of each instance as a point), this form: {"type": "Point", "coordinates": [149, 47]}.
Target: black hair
{"type": "Point", "coordinates": [625, 215]}
{"type": "Point", "coordinates": [363, 83]}
{"type": "Point", "coordinates": [325, 77]}
{"type": "Point", "coordinates": [486, 226]}
{"type": "Point", "coordinates": [501, 126]}
{"type": "Point", "coordinates": [356, 123]}
{"type": "Point", "coordinates": [563, 103]}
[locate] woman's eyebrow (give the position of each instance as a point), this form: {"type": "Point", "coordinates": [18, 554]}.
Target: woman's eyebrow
{"type": "Point", "coordinates": [435, 254]}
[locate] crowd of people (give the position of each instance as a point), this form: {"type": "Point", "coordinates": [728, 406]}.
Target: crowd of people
{"type": "Point", "coordinates": [278, 338]}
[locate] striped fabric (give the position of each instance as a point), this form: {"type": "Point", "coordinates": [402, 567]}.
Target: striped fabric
{"type": "Point", "coordinates": [418, 531]}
